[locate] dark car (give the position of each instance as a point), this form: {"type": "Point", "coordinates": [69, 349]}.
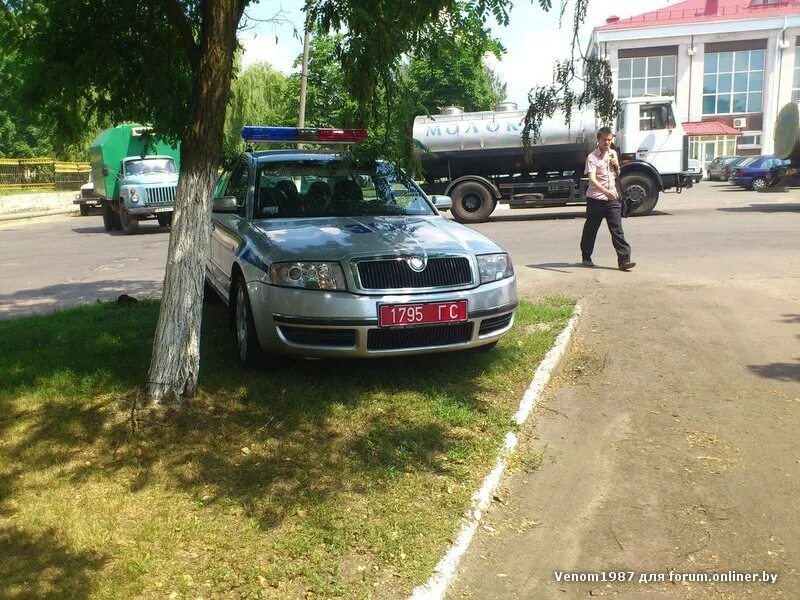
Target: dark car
{"type": "Point", "coordinates": [716, 168]}
{"type": "Point", "coordinates": [727, 170]}
{"type": "Point", "coordinates": [753, 173]}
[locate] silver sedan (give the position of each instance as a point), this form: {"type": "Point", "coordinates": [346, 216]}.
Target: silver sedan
{"type": "Point", "coordinates": [321, 255]}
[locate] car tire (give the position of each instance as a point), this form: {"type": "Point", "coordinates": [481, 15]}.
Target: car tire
{"type": "Point", "coordinates": [759, 183]}
{"type": "Point", "coordinates": [164, 220]}
{"type": "Point", "coordinates": [644, 194]}
{"type": "Point", "coordinates": [245, 328]}
{"type": "Point", "coordinates": [473, 202]}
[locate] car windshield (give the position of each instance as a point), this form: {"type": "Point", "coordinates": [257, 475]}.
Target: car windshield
{"type": "Point", "coordinates": [325, 188]}
{"type": "Point", "coordinates": [147, 166]}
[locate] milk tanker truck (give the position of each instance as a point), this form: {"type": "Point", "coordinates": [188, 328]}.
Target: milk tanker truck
{"type": "Point", "coordinates": [478, 160]}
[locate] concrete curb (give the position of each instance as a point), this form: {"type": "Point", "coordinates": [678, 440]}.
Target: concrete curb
{"type": "Point", "coordinates": [33, 215]}
{"type": "Point", "coordinates": [436, 587]}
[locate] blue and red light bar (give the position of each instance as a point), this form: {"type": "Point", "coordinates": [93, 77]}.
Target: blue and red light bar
{"type": "Point", "coordinates": [253, 133]}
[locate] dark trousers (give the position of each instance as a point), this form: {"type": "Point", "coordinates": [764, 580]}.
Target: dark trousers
{"type": "Point", "coordinates": [596, 211]}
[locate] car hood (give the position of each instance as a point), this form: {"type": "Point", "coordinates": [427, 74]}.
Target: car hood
{"type": "Point", "coordinates": [342, 237]}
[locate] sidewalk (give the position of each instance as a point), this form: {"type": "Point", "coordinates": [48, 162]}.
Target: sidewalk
{"type": "Point", "coordinates": [37, 204]}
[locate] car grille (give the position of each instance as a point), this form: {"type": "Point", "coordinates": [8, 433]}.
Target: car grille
{"type": "Point", "coordinates": [419, 337]}
{"type": "Point", "coordinates": [307, 336]}
{"type": "Point", "coordinates": [396, 274]}
{"type": "Point", "coordinates": [161, 195]}
{"type": "Point", "coordinates": [495, 324]}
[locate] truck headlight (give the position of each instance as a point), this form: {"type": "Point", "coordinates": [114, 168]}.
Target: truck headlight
{"type": "Point", "coordinates": [308, 275]}
{"type": "Point", "coordinates": [493, 267]}
{"type": "Point", "coordinates": [134, 196]}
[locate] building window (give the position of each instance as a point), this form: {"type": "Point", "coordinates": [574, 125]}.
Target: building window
{"type": "Point", "coordinates": [706, 148]}
{"type": "Point", "coordinates": [750, 139]}
{"type": "Point", "coordinates": [733, 82]}
{"type": "Point", "coordinates": [796, 84]}
{"type": "Point", "coordinates": [647, 75]}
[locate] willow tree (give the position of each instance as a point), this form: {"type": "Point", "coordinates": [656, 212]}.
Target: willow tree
{"type": "Point", "coordinates": [170, 63]}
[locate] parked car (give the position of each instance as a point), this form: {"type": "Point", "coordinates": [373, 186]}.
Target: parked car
{"type": "Point", "coordinates": [715, 168]}
{"type": "Point", "coordinates": [696, 169]}
{"type": "Point", "coordinates": [317, 254]}
{"type": "Point", "coordinates": [727, 170]}
{"type": "Point", "coordinates": [752, 174]}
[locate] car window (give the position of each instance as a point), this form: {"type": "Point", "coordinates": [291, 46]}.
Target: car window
{"type": "Point", "coordinates": [328, 188]}
{"type": "Point", "coordinates": [237, 185]}
{"type": "Point", "coordinates": [655, 116]}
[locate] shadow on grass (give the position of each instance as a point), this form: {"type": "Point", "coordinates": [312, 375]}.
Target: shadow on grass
{"type": "Point", "coordinates": [38, 567]}
{"type": "Point", "coordinates": [56, 297]}
{"type": "Point", "coordinates": [292, 435]}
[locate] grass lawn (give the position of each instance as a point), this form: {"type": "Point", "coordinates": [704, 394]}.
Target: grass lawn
{"type": "Point", "coordinates": [302, 479]}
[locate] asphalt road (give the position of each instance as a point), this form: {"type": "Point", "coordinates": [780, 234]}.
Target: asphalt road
{"type": "Point", "coordinates": [668, 438]}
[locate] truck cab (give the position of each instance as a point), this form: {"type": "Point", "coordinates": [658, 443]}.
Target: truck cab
{"type": "Point", "coordinates": [651, 142]}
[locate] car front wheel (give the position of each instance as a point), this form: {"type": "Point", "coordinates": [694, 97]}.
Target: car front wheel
{"type": "Point", "coordinates": [246, 337]}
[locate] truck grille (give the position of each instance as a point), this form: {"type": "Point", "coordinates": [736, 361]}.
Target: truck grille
{"type": "Point", "coordinates": [161, 195]}
{"type": "Point", "coordinates": [396, 274]}
{"type": "Point", "coordinates": [419, 337]}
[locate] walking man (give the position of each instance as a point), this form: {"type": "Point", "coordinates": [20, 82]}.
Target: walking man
{"type": "Point", "coordinates": [603, 202]}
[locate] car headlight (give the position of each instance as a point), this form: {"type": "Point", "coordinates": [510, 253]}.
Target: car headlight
{"type": "Point", "coordinates": [134, 196]}
{"type": "Point", "coordinates": [493, 267]}
{"type": "Point", "coordinates": [308, 275]}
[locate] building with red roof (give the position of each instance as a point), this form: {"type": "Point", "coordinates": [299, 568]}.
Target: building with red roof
{"type": "Point", "coordinates": [730, 64]}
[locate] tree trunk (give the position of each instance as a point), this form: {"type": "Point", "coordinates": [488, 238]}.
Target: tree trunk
{"type": "Point", "coordinates": [175, 362]}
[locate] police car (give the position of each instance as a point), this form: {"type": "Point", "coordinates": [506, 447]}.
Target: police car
{"type": "Point", "coordinates": [324, 255]}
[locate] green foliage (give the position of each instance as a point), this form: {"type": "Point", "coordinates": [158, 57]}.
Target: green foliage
{"type": "Point", "coordinates": [259, 96]}
{"type": "Point", "coordinates": [560, 95]}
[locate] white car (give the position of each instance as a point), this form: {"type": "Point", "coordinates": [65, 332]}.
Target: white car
{"type": "Point", "coordinates": [696, 169]}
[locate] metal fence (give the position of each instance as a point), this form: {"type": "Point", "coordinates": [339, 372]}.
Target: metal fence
{"type": "Point", "coordinates": [42, 174]}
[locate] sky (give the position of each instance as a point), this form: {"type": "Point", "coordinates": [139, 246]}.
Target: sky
{"type": "Point", "coordinates": [533, 39]}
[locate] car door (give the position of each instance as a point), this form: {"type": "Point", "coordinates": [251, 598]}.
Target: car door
{"type": "Point", "coordinates": [225, 227]}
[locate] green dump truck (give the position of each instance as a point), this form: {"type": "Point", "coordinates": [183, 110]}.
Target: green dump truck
{"type": "Point", "coordinates": [135, 176]}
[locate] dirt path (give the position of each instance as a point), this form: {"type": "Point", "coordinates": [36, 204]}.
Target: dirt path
{"type": "Point", "coordinates": [668, 441]}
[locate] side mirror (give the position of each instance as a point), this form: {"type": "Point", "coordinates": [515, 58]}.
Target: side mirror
{"type": "Point", "coordinates": [224, 204]}
{"type": "Point", "coordinates": [442, 202]}
{"type": "Point", "coordinates": [105, 171]}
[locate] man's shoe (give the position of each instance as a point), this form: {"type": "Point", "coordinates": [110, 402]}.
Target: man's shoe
{"type": "Point", "coordinates": [587, 262]}
{"type": "Point", "coordinates": [626, 266]}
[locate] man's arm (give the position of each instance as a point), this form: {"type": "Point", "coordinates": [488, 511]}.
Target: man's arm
{"type": "Point", "coordinates": [610, 194]}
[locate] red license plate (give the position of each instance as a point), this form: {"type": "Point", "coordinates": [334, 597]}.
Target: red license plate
{"type": "Point", "coordinates": [396, 315]}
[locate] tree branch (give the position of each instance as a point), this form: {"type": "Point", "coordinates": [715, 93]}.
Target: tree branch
{"type": "Point", "coordinates": [177, 17]}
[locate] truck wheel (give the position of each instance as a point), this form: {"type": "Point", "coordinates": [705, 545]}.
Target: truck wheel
{"type": "Point", "coordinates": [472, 202]}
{"type": "Point", "coordinates": [84, 208]}
{"type": "Point", "coordinates": [641, 193]}
{"type": "Point", "coordinates": [128, 223]}
{"type": "Point", "coordinates": [108, 217]}
{"type": "Point", "coordinates": [164, 220]}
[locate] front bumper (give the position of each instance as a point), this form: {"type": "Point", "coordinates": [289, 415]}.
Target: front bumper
{"type": "Point", "coordinates": [328, 324]}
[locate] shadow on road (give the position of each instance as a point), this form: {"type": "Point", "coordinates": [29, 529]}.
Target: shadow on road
{"type": "Point", "coordinates": [143, 230]}
{"type": "Point", "coordinates": [64, 295]}
{"type": "Point", "coordinates": [767, 208]}
{"type": "Point", "coordinates": [779, 371]}
{"type": "Point", "coordinates": [557, 216]}
{"type": "Point", "coordinates": [561, 266]}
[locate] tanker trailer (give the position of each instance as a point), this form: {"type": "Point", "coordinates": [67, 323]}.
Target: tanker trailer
{"type": "Point", "coordinates": [787, 146]}
{"type": "Point", "coordinates": [478, 160]}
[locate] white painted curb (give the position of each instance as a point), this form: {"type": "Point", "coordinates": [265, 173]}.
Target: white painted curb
{"type": "Point", "coordinates": [436, 587]}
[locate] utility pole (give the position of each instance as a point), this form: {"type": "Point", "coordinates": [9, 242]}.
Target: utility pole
{"type": "Point", "coordinates": [301, 119]}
